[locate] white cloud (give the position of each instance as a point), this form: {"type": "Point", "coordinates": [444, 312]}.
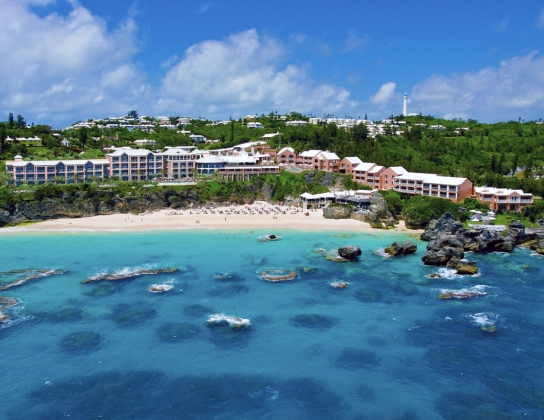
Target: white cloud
{"type": "Point", "coordinates": [59, 67]}
{"type": "Point", "coordinates": [493, 93]}
{"type": "Point", "coordinates": [502, 25]}
{"type": "Point", "coordinates": [385, 94]}
{"type": "Point", "coordinates": [245, 73]}
{"type": "Point", "coordinates": [205, 7]}
{"type": "Point", "coordinates": [355, 42]}
{"type": "Point", "coordinates": [540, 20]}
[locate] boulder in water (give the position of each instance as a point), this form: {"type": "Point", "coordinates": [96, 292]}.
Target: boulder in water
{"type": "Point", "coordinates": [398, 248]}
{"type": "Point", "coordinates": [351, 252]}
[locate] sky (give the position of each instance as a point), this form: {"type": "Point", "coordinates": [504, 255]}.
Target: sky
{"type": "Point", "coordinates": [68, 60]}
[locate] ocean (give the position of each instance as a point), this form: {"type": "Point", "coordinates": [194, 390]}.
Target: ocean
{"type": "Point", "coordinates": [384, 347]}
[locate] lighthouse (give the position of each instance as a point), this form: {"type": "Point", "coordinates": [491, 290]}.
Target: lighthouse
{"type": "Point", "coordinates": [405, 107]}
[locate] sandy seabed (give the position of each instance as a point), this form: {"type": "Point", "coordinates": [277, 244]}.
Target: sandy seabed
{"type": "Point", "coordinates": [259, 215]}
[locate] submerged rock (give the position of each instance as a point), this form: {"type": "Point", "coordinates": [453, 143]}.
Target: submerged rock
{"type": "Point", "coordinates": [398, 248]}
{"type": "Point", "coordinates": [81, 342]}
{"type": "Point", "coordinates": [127, 274]}
{"type": "Point", "coordinates": [276, 275]}
{"type": "Point", "coordinates": [351, 252]}
{"type": "Point", "coordinates": [7, 302]}
{"type": "Point", "coordinates": [267, 238]}
{"type": "Point", "coordinates": [339, 284]}
{"type": "Point", "coordinates": [463, 293]}
{"type": "Point", "coordinates": [28, 275]}
{"type": "Point", "coordinates": [3, 317]}
{"type": "Point", "coordinates": [231, 321]}
{"type": "Point", "coordinates": [316, 321]}
{"type": "Point", "coordinates": [160, 288]}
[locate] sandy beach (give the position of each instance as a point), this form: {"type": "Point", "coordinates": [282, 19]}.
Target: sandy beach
{"type": "Point", "coordinates": [259, 215]}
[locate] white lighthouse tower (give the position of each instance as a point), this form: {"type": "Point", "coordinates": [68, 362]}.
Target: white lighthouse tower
{"type": "Point", "coordinates": [405, 107]}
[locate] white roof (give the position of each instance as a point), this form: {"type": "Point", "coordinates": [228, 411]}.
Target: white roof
{"type": "Point", "coordinates": [364, 166]}
{"type": "Point", "coordinates": [316, 196]}
{"type": "Point", "coordinates": [329, 155]}
{"type": "Point", "coordinates": [499, 191]}
{"type": "Point", "coordinates": [376, 169]}
{"type": "Point", "coordinates": [310, 153]}
{"type": "Point", "coordinates": [131, 152]}
{"type": "Point", "coordinates": [353, 160]}
{"type": "Point", "coordinates": [445, 180]}
{"type": "Point", "coordinates": [398, 170]}
{"type": "Point", "coordinates": [172, 152]}
{"type": "Point", "coordinates": [65, 162]}
{"type": "Point", "coordinates": [415, 176]}
{"type": "Point", "coordinates": [289, 149]}
{"type": "Point", "coordinates": [212, 159]}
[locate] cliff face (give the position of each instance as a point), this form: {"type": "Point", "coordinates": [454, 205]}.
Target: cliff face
{"type": "Point", "coordinates": [81, 206]}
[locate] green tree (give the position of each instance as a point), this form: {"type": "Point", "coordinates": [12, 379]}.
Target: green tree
{"type": "Point", "coordinates": [20, 121]}
{"type": "Point", "coordinates": [133, 114]}
{"type": "Point", "coordinates": [10, 120]}
{"type": "Point", "coordinates": [2, 137]}
{"type": "Point", "coordinates": [83, 136]}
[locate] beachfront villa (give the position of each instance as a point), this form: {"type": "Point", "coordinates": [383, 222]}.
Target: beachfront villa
{"type": "Point", "coordinates": [140, 164]}
{"type": "Point", "coordinates": [455, 189]}
{"type": "Point", "coordinates": [503, 198]}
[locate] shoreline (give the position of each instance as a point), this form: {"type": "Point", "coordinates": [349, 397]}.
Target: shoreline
{"type": "Point", "coordinates": [262, 216]}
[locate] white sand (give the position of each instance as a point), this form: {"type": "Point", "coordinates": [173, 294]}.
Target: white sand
{"type": "Point", "coordinates": [256, 216]}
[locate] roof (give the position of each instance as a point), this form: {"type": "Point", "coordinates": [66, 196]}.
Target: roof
{"type": "Point", "coordinates": [65, 162]}
{"type": "Point", "coordinates": [445, 180]}
{"type": "Point", "coordinates": [499, 191]}
{"type": "Point", "coordinates": [353, 160]}
{"type": "Point", "coordinates": [415, 176]}
{"type": "Point", "coordinates": [310, 153]}
{"type": "Point", "coordinates": [130, 152]}
{"type": "Point", "coordinates": [398, 170]}
{"type": "Point", "coordinates": [212, 159]}
{"type": "Point", "coordinates": [364, 166]}
{"type": "Point", "coordinates": [289, 149]}
{"type": "Point", "coordinates": [309, 196]}
{"type": "Point", "coordinates": [376, 169]}
{"type": "Point", "coordinates": [329, 155]}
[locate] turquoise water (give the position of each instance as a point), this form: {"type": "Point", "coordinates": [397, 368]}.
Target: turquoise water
{"type": "Point", "coordinates": [385, 347]}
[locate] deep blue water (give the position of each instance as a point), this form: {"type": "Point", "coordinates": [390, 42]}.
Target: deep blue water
{"type": "Point", "coordinates": [385, 347]}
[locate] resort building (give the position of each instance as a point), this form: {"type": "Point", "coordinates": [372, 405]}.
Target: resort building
{"type": "Point", "coordinates": [145, 142]}
{"type": "Point", "coordinates": [319, 160]}
{"type": "Point", "coordinates": [360, 172]}
{"type": "Point", "coordinates": [348, 163]}
{"type": "Point", "coordinates": [140, 164]}
{"type": "Point", "coordinates": [386, 177]}
{"type": "Point", "coordinates": [452, 188]}
{"type": "Point", "coordinates": [296, 123]}
{"type": "Point", "coordinates": [49, 170]}
{"type": "Point", "coordinates": [31, 141]}
{"type": "Point", "coordinates": [286, 156]}
{"type": "Point", "coordinates": [504, 199]}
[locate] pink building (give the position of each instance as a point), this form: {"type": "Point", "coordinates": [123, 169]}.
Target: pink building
{"type": "Point", "coordinates": [386, 177]}
{"type": "Point", "coordinates": [503, 198]}
{"type": "Point", "coordinates": [286, 156]}
{"type": "Point", "coordinates": [360, 172]}
{"type": "Point", "coordinates": [348, 163]}
{"type": "Point", "coordinates": [452, 188]}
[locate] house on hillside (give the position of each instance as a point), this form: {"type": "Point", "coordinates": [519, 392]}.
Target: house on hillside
{"type": "Point", "coordinates": [348, 163]}
{"type": "Point", "coordinates": [503, 198]}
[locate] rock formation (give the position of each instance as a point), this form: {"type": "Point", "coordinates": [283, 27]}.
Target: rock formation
{"type": "Point", "coordinates": [349, 252]}
{"type": "Point", "coordinates": [449, 239]}
{"type": "Point", "coordinates": [337, 212]}
{"type": "Point", "coordinates": [398, 248]}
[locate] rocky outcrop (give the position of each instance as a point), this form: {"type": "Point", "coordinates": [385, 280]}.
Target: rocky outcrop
{"type": "Point", "coordinates": [349, 252]}
{"type": "Point", "coordinates": [398, 248]}
{"type": "Point", "coordinates": [337, 212]}
{"type": "Point", "coordinates": [101, 203]}
{"type": "Point", "coordinates": [449, 239]}
{"type": "Point", "coordinates": [379, 215]}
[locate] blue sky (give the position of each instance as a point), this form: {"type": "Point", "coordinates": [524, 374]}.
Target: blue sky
{"type": "Point", "coordinates": [68, 60]}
